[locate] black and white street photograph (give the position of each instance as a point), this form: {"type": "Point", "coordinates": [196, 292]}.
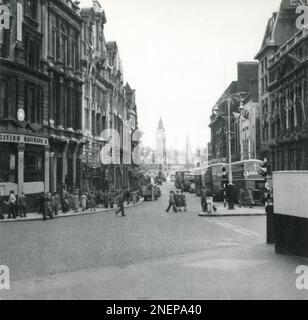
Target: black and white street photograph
{"type": "Point", "coordinates": [154, 150]}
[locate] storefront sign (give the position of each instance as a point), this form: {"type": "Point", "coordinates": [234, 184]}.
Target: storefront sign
{"type": "Point", "coordinates": [21, 138]}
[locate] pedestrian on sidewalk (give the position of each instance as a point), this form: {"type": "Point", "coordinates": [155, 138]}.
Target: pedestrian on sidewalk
{"type": "Point", "coordinates": [22, 204]}
{"type": "Point", "coordinates": [203, 200]}
{"type": "Point", "coordinates": [57, 203]}
{"type": "Point", "coordinates": [12, 205]}
{"type": "Point", "coordinates": [83, 200]}
{"type": "Point", "coordinates": [70, 198]}
{"type": "Point", "coordinates": [92, 202]}
{"type": "Point", "coordinates": [65, 205]}
{"type": "Point", "coordinates": [248, 198]}
{"type": "Point", "coordinates": [47, 207]}
{"type": "Point", "coordinates": [171, 202]}
{"type": "Point", "coordinates": [76, 202]}
{"type": "Point", "coordinates": [120, 205]}
{"type": "Point", "coordinates": [183, 201]}
{"type": "Point", "coordinates": [241, 198]}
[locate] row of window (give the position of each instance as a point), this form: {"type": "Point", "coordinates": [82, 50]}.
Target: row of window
{"type": "Point", "coordinates": [94, 123]}
{"type": "Point", "coordinates": [33, 164]}
{"type": "Point", "coordinates": [283, 122]}
{"type": "Point", "coordinates": [288, 160]}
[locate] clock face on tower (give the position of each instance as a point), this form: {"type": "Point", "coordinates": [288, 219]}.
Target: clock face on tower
{"type": "Point", "coordinates": [21, 114]}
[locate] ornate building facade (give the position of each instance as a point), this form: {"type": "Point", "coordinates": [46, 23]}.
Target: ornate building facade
{"type": "Point", "coordinates": [63, 26]}
{"type": "Point", "coordinates": [283, 94]}
{"type": "Point", "coordinates": [61, 85]}
{"type": "Point", "coordinates": [24, 98]}
{"type": "Point", "coordinates": [109, 108]}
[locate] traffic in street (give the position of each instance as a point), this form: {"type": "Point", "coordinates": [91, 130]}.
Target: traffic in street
{"type": "Point", "coordinates": [146, 255]}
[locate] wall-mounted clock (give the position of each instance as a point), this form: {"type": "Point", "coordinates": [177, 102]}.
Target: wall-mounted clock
{"type": "Point", "coordinates": [21, 114]}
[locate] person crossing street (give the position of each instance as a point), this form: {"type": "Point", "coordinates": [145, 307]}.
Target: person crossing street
{"type": "Point", "coordinates": [120, 205]}
{"type": "Point", "coordinates": [172, 202]}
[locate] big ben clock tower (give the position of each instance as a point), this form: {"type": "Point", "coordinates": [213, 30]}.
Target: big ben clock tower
{"type": "Point", "coordinates": [161, 152]}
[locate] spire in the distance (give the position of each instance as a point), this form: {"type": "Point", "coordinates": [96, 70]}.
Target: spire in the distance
{"type": "Point", "coordinates": [160, 125]}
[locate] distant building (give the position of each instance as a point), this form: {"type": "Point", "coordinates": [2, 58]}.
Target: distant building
{"type": "Point", "coordinates": [247, 84]}
{"type": "Point", "coordinates": [161, 151]}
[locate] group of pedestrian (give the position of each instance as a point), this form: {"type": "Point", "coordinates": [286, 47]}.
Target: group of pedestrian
{"type": "Point", "coordinates": [177, 201]}
{"type": "Point", "coordinates": [17, 206]}
{"type": "Point", "coordinates": [246, 198]}
{"type": "Point", "coordinates": [49, 204]}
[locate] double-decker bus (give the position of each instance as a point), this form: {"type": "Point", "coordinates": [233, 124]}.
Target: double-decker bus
{"type": "Point", "coordinates": [213, 180]}
{"type": "Point", "coordinates": [246, 175]}
{"type": "Point", "coordinates": [183, 180]}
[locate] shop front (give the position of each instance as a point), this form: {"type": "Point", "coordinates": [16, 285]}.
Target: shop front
{"type": "Point", "coordinates": [24, 165]}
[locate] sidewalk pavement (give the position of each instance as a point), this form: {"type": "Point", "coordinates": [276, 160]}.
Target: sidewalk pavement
{"type": "Point", "coordinates": [37, 216]}
{"type": "Point", "coordinates": [237, 212]}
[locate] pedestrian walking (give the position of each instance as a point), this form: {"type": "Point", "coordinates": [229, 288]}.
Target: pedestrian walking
{"type": "Point", "coordinates": [171, 202]}
{"type": "Point", "coordinates": [12, 205]}
{"type": "Point", "coordinates": [120, 205]}
{"type": "Point", "coordinates": [203, 200]}
{"type": "Point", "coordinates": [178, 201]}
{"type": "Point", "coordinates": [183, 201]}
{"type": "Point", "coordinates": [22, 205]}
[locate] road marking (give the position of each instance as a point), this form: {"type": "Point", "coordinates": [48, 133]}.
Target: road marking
{"type": "Point", "coordinates": [234, 228]}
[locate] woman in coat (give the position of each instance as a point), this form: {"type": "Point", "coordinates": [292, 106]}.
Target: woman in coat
{"type": "Point", "coordinates": [76, 202]}
{"type": "Point", "coordinates": [92, 203]}
{"type": "Point", "coordinates": [83, 200]}
{"type": "Point", "coordinates": [57, 203]}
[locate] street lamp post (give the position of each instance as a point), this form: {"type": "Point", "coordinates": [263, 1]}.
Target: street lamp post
{"type": "Point", "coordinates": [230, 187]}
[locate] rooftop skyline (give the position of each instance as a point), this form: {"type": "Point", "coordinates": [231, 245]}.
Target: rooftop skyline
{"type": "Point", "coordinates": [181, 55]}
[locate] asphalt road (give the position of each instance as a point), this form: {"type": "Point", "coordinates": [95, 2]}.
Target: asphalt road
{"type": "Point", "coordinates": [149, 254]}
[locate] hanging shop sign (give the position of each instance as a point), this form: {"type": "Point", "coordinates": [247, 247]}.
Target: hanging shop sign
{"type": "Point", "coordinates": [23, 138]}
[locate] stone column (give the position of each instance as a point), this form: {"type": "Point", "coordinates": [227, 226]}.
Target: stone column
{"type": "Point", "coordinates": [53, 172]}
{"type": "Point", "coordinates": [60, 104]}
{"type": "Point", "coordinates": [52, 108]}
{"type": "Point", "coordinates": [79, 106]}
{"type": "Point", "coordinates": [70, 106]}
{"type": "Point", "coordinates": [20, 170]}
{"type": "Point", "coordinates": [47, 169]}
{"type": "Point", "coordinates": [64, 162]}
{"type": "Point", "coordinates": [75, 167]}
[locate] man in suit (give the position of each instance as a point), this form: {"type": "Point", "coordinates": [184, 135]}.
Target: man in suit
{"type": "Point", "coordinates": [171, 202]}
{"type": "Point", "coordinates": [121, 205]}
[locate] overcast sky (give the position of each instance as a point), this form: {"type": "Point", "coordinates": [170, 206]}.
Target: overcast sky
{"type": "Point", "coordinates": [180, 55]}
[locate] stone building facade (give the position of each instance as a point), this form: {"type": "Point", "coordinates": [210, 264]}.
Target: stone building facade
{"type": "Point", "coordinates": [63, 29]}
{"type": "Point", "coordinates": [61, 85]}
{"type": "Point", "coordinates": [280, 28]}
{"type": "Point", "coordinates": [24, 98]}
{"type": "Point", "coordinates": [247, 85]}
{"type": "Point", "coordinates": [109, 108]}
{"type": "Point", "coordinates": [283, 94]}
